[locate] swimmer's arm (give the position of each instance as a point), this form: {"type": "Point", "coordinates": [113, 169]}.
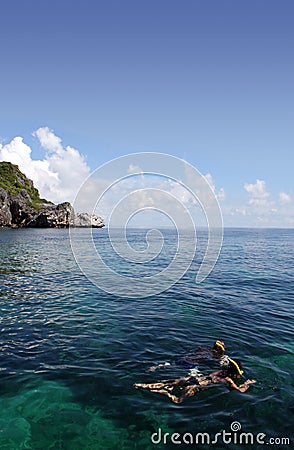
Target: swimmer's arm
{"type": "Point", "coordinates": [243, 387]}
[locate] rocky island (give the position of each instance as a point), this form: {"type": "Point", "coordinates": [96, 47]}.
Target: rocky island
{"type": "Point", "coordinates": [21, 205]}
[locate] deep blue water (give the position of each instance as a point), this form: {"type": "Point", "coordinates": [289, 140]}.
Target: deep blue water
{"type": "Point", "coordinates": [70, 353]}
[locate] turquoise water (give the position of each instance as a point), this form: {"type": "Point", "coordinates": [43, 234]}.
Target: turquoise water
{"type": "Point", "coordinates": [69, 353]}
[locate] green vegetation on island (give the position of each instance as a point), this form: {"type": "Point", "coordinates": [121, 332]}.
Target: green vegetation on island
{"type": "Point", "coordinates": [14, 181]}
{"type": "Point", "coordinates": [21, 205]}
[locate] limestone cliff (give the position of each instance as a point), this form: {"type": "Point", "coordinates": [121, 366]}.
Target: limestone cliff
{"type": "Point", "coordinates": [21, 205]}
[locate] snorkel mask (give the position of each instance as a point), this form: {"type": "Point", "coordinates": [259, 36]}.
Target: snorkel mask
{"type": "Point", "coordinates": [225, 360]}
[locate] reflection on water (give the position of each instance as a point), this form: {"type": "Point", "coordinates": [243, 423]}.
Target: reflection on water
{"type": "Point", "coordinates": [71, 353]}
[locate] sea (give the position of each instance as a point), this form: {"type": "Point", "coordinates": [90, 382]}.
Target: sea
{"type": "Point", "coordinates": [70, 352]}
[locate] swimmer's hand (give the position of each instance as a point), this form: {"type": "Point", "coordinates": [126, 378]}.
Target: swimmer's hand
{"type": "Point", "coordinates": [248, 382]}
{"type": "Point", "coordinates": [246, 385]}
{"type": "Point", "coordinates": [243, 387]}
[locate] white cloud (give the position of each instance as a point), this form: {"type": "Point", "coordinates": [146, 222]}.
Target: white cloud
{"type": "Point", "coordinates": [242, 211]}
{"type": "Point", "coordinates": [134, 168]}
{"type": "Point", "coordinates": [221, 195]}
{"type": "Point", "coordinates": [284, 198]}
{"type": "Point", "coordinates": [16, 152]}
{"type": "Point", "coordinates": [210, 181]}
{"type": "Point", "coordinates": [48, 139]}
{"type": "Point", "coordinates": [153, 191]}
{"type": "Point", "coordinates": [181, 193]}
{"type": "Point", "coordinates": [261, 208]}
{"type": "Point", "coordinates": [59, 175]}
{"type": "Point", "coordinates": [258, 193]}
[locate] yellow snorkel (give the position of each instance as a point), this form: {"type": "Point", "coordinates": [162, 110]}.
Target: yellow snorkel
{"type": "Point", "coordinates": [240, 372]}
{"type": "Point", "coordinates": [220, 345]}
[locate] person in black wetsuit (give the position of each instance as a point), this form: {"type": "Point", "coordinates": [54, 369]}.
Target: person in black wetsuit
{"type": "Point", "coordinates": [189, 361]}
{"type": "Point", "coordinates": [178, 390]}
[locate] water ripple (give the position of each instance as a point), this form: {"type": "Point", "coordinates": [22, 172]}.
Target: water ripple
{"type": "Point", "coordinates": [60, 334]}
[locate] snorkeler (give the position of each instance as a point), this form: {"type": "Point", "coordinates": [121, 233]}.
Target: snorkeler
{"type": "Point", "coordinates": [189, 361]}
{"type": "Point", "coordinates": [178, 390]}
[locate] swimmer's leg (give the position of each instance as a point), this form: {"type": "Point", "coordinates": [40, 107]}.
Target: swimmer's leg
{"type": "Point", "coordinates": [173, 397]}
{"type": "Point", "coordinates": [161, 385]}
{"type": "Point", "coordinates": [150, 386]}
{"type": "Point", "coordinates": [189, 391]}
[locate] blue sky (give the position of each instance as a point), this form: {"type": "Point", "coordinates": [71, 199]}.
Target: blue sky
{"type": "Point", "coordinates": [207, 81]}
